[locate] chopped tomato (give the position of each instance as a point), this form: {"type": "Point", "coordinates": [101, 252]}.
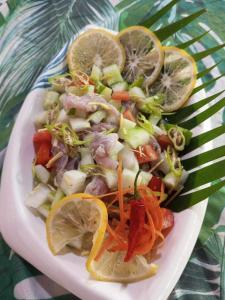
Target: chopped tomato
{"type": "Point", "coordinates": [146, 154]}
{"type": "Point", "coordinates": [164, 141]}
{"type": "Point", "coordinates": [43, 154]}
{"type": "Point", "coordinates": [41, 137]}
{"type": "Point", "coordinates": [168, 220]}
{"type": "Point", "coordinates": [128, 115]}
{"type": "Point", "coordinates": [121, 96]}
{"type": "Point", "coordinates": [155, 184]}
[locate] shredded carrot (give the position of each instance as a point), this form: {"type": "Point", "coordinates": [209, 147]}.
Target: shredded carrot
{"type": "Point", "coordinates": [128, 115]}
{"type": "Point", "coordinates": [146, 247]}
{"type": "Point", "coordinates": [109, 194]}
{"type": "Point", "coordinates": [116, 237]}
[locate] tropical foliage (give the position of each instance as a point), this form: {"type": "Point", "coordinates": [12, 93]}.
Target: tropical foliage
{"type": "Point", "coordinates": [39, 30]}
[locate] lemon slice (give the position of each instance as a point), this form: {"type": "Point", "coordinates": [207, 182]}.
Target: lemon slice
{"type": "Point", "coordinates": [111, 267]}
{"type": "Point", "coordinates": [144, 54]}
{"type": "Point", "coordinates": [80, 220]}
{"type": "Point", "coordinates": [95, 47]}
{"type": "Point", "coordinates": [177, 79]}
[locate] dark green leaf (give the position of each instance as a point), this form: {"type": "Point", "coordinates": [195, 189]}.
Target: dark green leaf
{"type": "Point", "coordinates": [201, 117]}
{"type": "Point", "coordinates": [2, 19]}
{"type": "Point", "coordinates": [150, 20]}
{"type": "Point", "coordinates": [206, 71]}
{"type": "Point", "coordinates": [203, 138]}
{"type": "Point", "coordinates": [13, 4]}
{"type": "Point", "coordinates": [205, 84]}
{"type": "Point", "coordinates": [205, 175]}
{"type": "Point", "coordinates": [188, 110]}
{"type": "Point", "coordinates": [201, 55]}
{"type": "Point", "coordinates": [203, 158]}
{"type": "Point", "coordinates": [185, 201]}
{"type": "Point", "coordinates": [165, 32]}
{"type": "Point", "coordinates": [192, 41]}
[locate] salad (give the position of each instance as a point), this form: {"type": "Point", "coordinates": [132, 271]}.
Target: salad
{"type": "Point", "coordinates": [107, 162]}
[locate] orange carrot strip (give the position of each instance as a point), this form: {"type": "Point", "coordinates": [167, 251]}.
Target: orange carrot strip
{"type": "Point", "coordinates": [128, 115]}
{"type": "Point", "coordinates": [146, 247]}
{"type": "Point", "coordinates": [121, 96]}
{"type": "Point", "coordinates": [116, 236]}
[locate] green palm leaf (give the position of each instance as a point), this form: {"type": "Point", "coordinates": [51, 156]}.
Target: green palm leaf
{"type": "Point", "coordinates": [201, 117]}
{"type": "Point", "coordinates": [184, 201]}
{"type": "Point", "coordinates": [192, 41]}
{"type": "Point", "coordinates": [188, 110]}
{"type": "Point", "coordinates": [205, 84]}
{"type": "Point", "coordinates": [203, 158]}
{"type": "Point", "coordinates": [165, 32]}
{"type": "Point", "coordinates": [150, 20]}
{"type": "Point", "coordinates": [206, 71]}
{"type": "Point", "coordinates": [204, 138]}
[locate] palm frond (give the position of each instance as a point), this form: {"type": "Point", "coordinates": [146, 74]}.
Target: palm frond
{"type": "Point", "coordinates": [205, 84]}
{"type": "Point", "coordinates": [201, 117]}
{"type": "Point", "coordinates": [205, 175]}
{"type": "Point", "coordinates": [200, 55]}
{"type": "Point", "coordinates": [165, 32]}
{"type": "Point", "coordinates": [186, 111]}
{"type": "Point", "coordinates": [192, 41]}
{"type": "Point", "coordinates": [204, 138]}
{"type": "Point", "coordinates": [208, 70]}
{"type": "Point", "coordinates": [148, 21]}
{"type": "Point", "coordinates": [203, 158]}
{"type": "Point", "coordinates": [184, 201]}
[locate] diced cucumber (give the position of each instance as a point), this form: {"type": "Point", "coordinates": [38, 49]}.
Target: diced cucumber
{"type": "Point", "coordinates": [138, 82]}
{"type": "Point", "coordinates": [145, 177]}
{"type": "Point", "coordinates": [136, 94]}
{"type": "Point", "coordinates": [106, 93]}
{"type": "Point", "coordinates": [116, 104]}
{"type": "Point", "coordinates": [97, 116]}
{"type": "Point", "coordinates": [73, 181]}
{"type": "Point", "coordinates": [44, 209]}
{"type": "Point", "coordinates": [41, 173]}
{"type": "Point", "coordinates": [51, 100]}
{"type": "Point", "coordinates": [158, 130]}
{"type": "Point", "coordinates": [90, 89]}
{"type": "Point", "coordinates": [184, 176]}
{"type": "Point", "coordinates": [38, 196]}
{"type": "Point", "coordinates": [115, 150]}
{"type": "Point", "coordinates": [154, 119]}
{"type": "Point", "coordinates": [79, 124]}
{"type": "Point", "coordinates": [62, 117]}
{"type": "Point", "coordinates": [96, 73]}
{"type": "Point", "coordinates": [58, 196]}
{"type": "Point", "coordinates": [125, 125]}
{"type": "Point", "coordinates": [129, 178]}
{"type": "Point", "coordinates": [136, 137]}
{"type": "Point", "coordinates": [112, 74]}
{"type": "Point", "coordinates": [86, 157]}
{"type": "Point", "coordinates": [171, 180]}
{"type": "Point", "coordinates": [99, 87]}
{"type": "Point", "coordinates": [129, 159]}
{"type": "Point", "coordinates": [111, 178]}
{"type": "Point", "coordinates": [164, 166]}
{"type": "Point", "coordinates": [120, 86]}
{"type": "Point", "coordinates": [41, 119]}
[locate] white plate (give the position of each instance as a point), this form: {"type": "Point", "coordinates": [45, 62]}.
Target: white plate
{"type": "Point", "coordinates": [25, 233]}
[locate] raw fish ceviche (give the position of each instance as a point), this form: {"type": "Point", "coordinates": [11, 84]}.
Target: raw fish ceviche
{"type": "Point", "coordinates": [106, 160]}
